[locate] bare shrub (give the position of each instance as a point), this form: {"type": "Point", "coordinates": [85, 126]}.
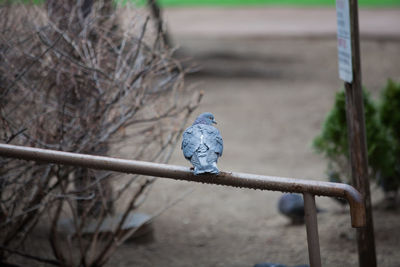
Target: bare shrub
{"type": "Point", "coordinates": [75, 80]}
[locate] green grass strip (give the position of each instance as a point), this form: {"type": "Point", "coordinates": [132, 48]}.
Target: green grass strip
{"type": "Point", "coordinates": [362, 3]}
{"type": "Point", "coordinates": [211, 3]}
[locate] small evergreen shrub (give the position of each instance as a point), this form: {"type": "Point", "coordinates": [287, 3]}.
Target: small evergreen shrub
{"type": "Point", "coordinates": [382, 134]}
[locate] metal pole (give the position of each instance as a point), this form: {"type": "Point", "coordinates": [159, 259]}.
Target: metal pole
{"type": "Point", "coordinates": [235, 179]}
{"type": "Point", "coordinates": [312, 230]}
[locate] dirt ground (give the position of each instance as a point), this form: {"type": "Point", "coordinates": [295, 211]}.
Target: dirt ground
{"type": "Point", "coordinates": [269, 96]}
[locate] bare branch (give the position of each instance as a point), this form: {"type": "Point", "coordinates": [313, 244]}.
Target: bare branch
{"type": "Point", "coordinates": [35, 258]}
{"type": "Point", "coordinates": [75, 80]}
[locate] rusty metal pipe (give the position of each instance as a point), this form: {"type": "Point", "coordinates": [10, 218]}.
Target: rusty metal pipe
{"type": "Point", "coordinates": [357, 208]}
{"type": "Point", "coordinates": [310, 216]}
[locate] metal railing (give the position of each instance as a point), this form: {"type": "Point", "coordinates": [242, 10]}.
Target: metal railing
{"type": "Point", "coordinates": [308, 188]}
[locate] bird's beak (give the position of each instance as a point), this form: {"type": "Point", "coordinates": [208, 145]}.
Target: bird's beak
{"type": "Point", "coordinates": [214, 122]}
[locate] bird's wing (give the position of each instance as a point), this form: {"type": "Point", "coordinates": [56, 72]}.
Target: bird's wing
{"type": "Point", "coordinates": [191, 141]}
{"type": "Point", "coordinates": [220, 144]}
{"type": "Point", "coordinates": [213, 139]}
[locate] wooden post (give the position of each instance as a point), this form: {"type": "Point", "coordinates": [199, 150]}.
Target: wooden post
{"type": "Point", "coordinates": [357, 144]}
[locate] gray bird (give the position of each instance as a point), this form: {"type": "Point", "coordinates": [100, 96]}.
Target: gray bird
{"type": "Point", "coordinates": [292, 206]}
{"type": "Point", "coordinates": [202, 144]}
{"type": "Point", "coordinates": [268, 264]}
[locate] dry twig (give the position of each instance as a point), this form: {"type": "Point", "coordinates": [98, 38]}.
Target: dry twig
{"type": "Point", "coordinates": [73, 79]}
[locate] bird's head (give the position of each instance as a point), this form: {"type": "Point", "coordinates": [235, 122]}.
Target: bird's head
{"type": "Point", "coordinates": [205, 118]}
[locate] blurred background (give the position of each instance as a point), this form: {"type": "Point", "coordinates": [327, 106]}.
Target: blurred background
{"type": "Point", "coordinates": [268, 72]}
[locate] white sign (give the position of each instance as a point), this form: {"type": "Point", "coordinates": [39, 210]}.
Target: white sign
{"type": "Point", "coordinates": [344, 40]}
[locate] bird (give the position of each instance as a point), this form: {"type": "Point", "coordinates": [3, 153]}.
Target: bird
{"type": "Point", "coordinates": [292, 206]}
{"type": "Point", "coordinates": [268, 264]}
{"type": "Point", "coordinates": [202, 144]}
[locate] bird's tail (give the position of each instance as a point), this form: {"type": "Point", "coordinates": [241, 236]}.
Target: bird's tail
{"type": "Point", "coordinates": [202, 163]}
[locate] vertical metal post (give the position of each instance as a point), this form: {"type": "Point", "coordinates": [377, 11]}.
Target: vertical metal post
{"type": "Point", "coordinates": [312, 230]}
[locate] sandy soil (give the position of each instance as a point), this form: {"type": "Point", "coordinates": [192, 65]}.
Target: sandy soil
{"type": "Point", "coordinates": [269, 97]}
{"type": "Point", "coordinates": [269, 94]}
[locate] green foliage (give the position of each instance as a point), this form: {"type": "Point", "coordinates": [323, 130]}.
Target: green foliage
{"type": "Point", "coordinates": [390, 110]}
{"type": "Point", "coordinates": [390, 117]}
{"type": "Point", "coordinates": [332, 142]}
